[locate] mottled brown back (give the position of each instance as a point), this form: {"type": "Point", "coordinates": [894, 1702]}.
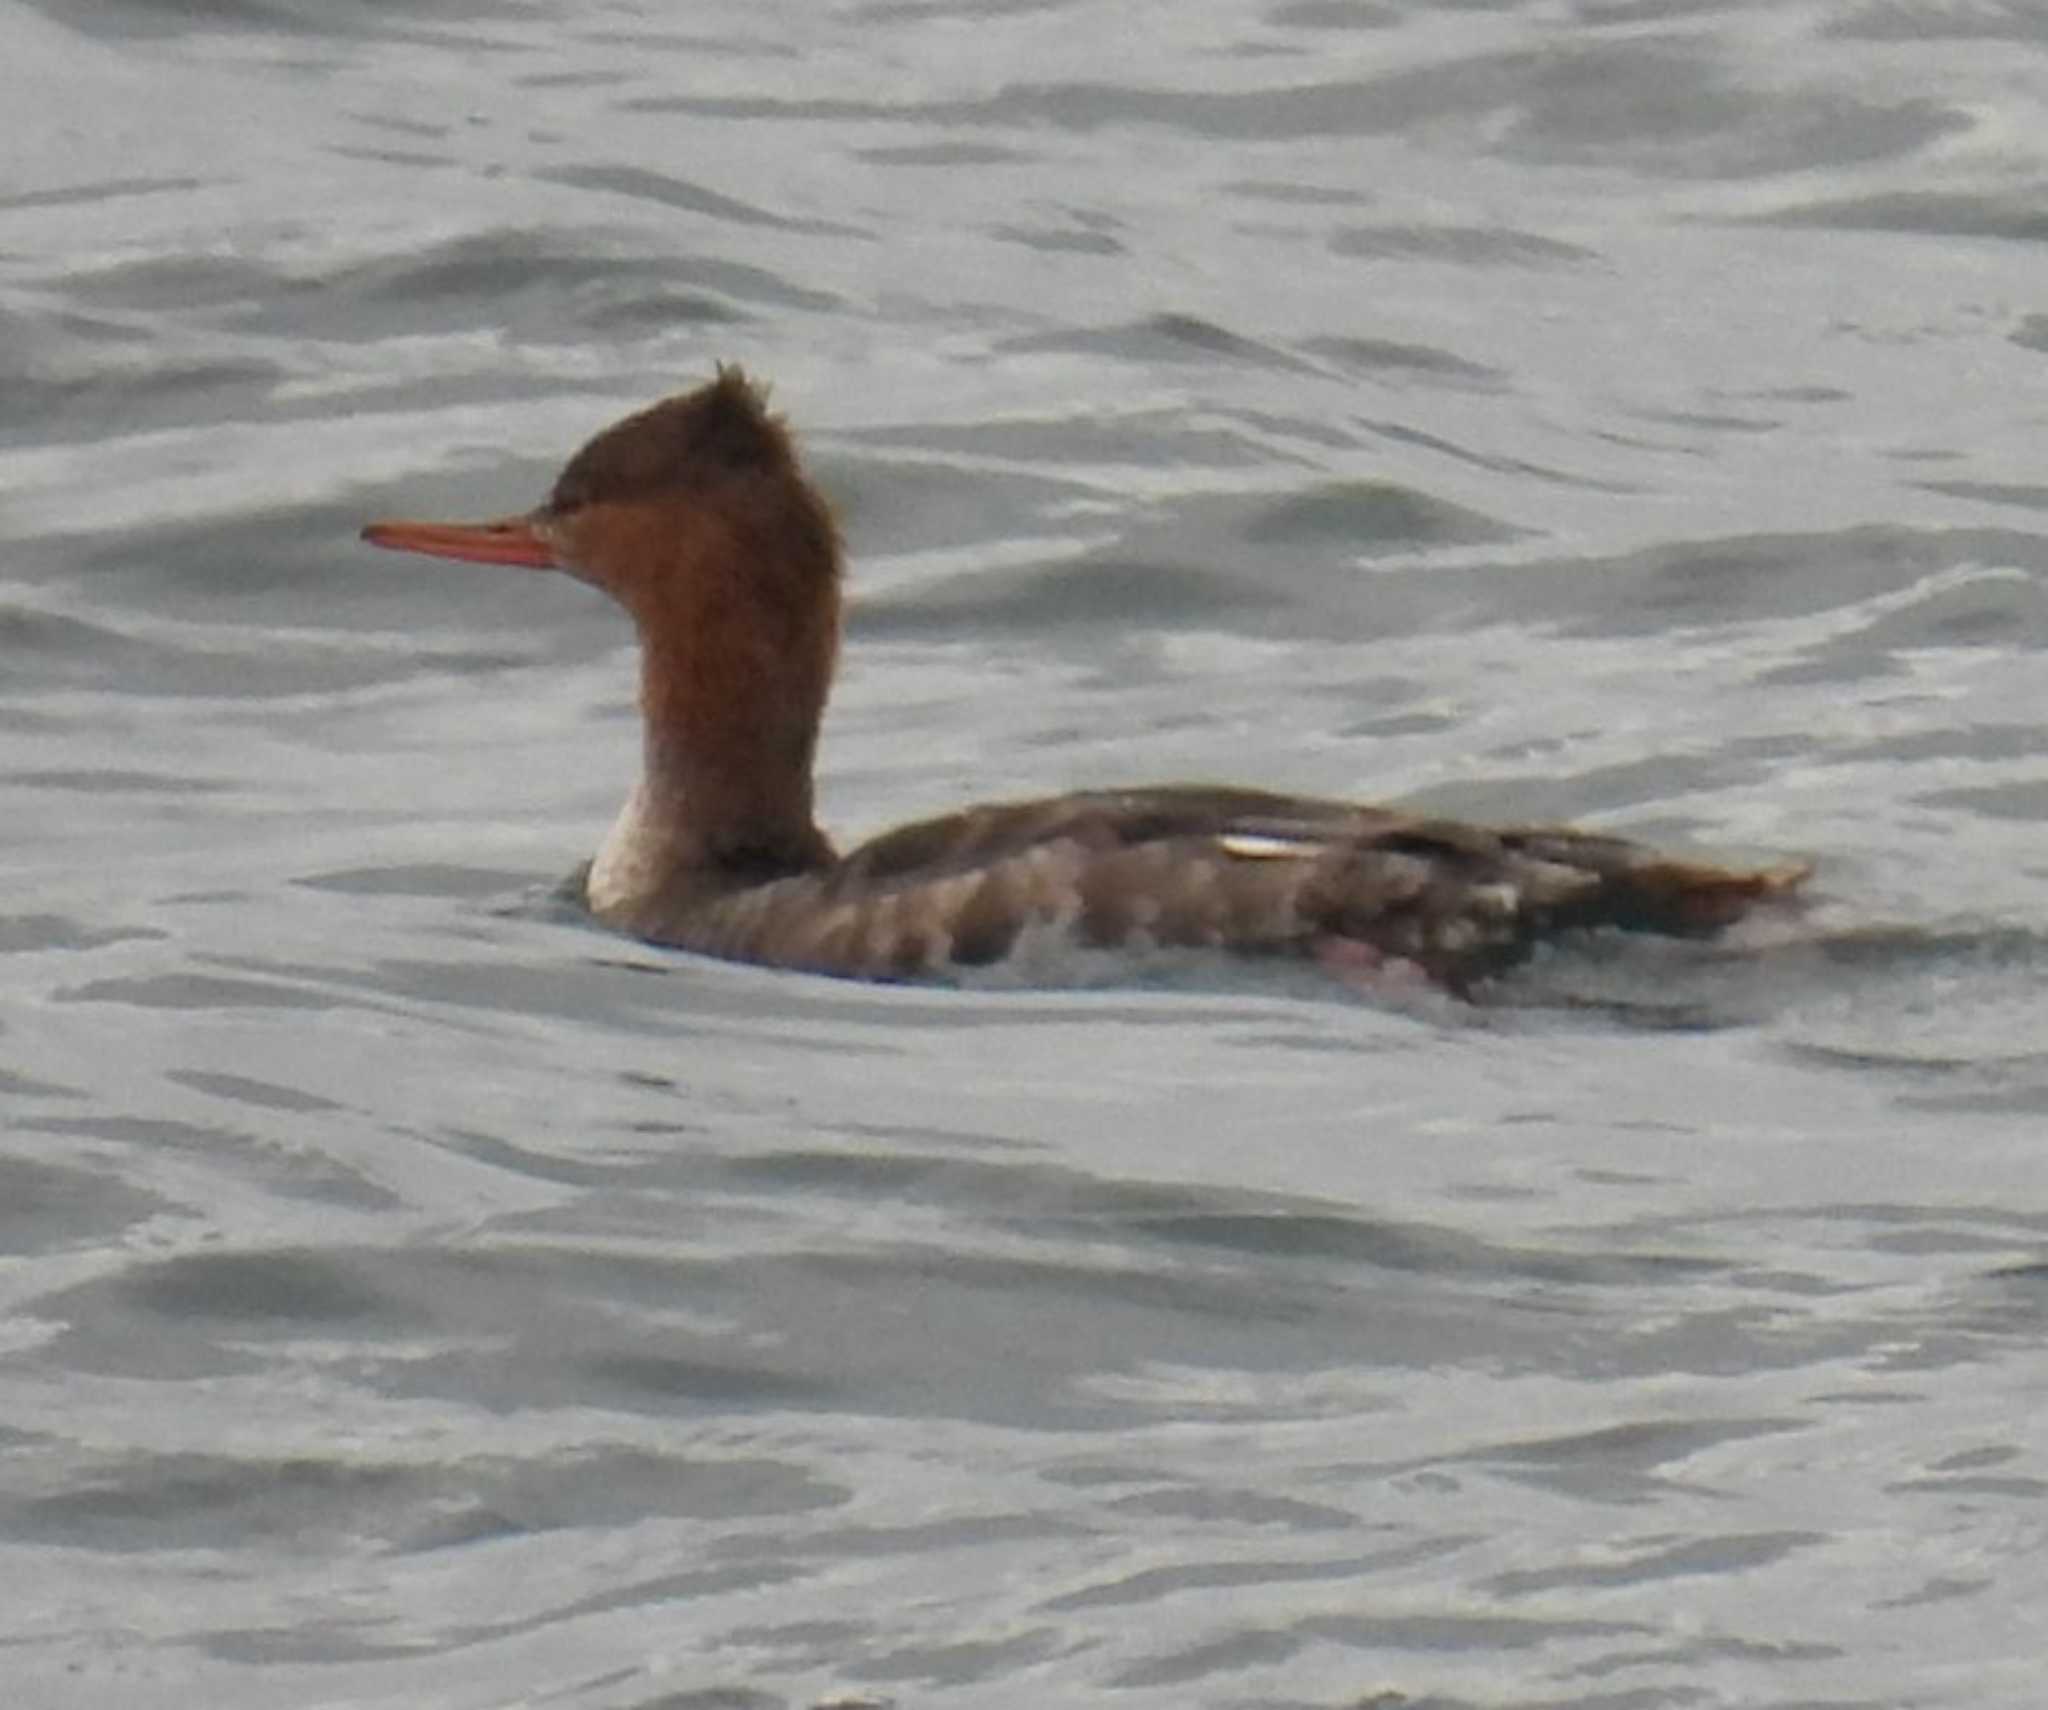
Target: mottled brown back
{"type": "Point", "coordinates": [1235, 870]}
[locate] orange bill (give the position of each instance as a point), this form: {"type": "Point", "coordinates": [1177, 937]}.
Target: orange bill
{"type": "Point", "coordinates": [509, 540]}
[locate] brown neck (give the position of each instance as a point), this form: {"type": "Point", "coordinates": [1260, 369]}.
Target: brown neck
{"type": "Point", "coordinates": [738, 620]}
{"type": "Point", "coordinates": [726, 759]}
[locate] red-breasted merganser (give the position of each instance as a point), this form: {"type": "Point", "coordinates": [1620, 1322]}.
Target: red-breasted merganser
{"type": "Point", "coordinates": [696, 517]}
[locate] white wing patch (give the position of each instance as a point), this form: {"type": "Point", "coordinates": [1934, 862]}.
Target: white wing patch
{"type": "Point", "coordinates": [1257, 846]}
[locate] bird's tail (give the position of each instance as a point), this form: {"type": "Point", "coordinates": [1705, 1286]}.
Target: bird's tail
{"type": "Point", "coordinates": [1642, 890]}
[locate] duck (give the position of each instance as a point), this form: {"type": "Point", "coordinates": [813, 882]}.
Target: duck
{"type": "Point", "coordinates": [696, 516]}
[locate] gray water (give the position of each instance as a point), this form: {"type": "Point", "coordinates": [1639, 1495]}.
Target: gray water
{"type": "Point", "coordinates": [418, 1297]}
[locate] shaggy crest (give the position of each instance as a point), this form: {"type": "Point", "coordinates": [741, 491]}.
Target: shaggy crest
{"type": "Point", "coordinates": [678, 445]}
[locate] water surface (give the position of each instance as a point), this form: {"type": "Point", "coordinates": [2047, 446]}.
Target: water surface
{"type": "Point", "coordinates": [418, 1296]}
